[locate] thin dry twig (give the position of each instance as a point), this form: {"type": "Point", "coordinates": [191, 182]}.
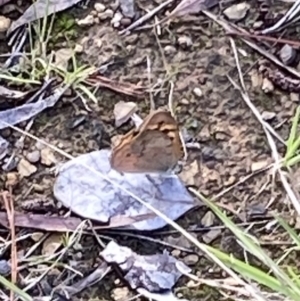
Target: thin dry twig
{"type": "Point", "coordinates": [146, 17]}
{"type": "Point", "coordinates": [230, 29]}
{"type": "Point", "coordinates": [294, 44]}
{"type": "Point", "coordinates": [9, 206]}
{"type": "Point", "coordinates": [292, 12]}
{"type": "Point", "coordinates": [186, 7]}
{"type": "Point", "coordinates": [152, 104]}
{"type": "Point", "coordinates": [120, 87]}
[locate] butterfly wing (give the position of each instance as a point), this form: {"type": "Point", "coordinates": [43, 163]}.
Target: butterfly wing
{"type": "Point", "coordinates": [155, 147]}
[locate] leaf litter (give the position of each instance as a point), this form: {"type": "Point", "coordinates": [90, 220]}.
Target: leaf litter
{"type": "Point", "coordinates": [40, 9]}
{"type": "Point", "coordinates": [155, 273]}
{"type": "Point", "coordinates": [212, 165]}
{"type": "Point", "coordinates": [86, 194]}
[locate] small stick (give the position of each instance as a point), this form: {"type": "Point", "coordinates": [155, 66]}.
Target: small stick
{"type": "Point", "coordinates": [9, 206]}
{"type": "Point", "coordinates": [146, 17]}
{"type": "Point", "coordinates": [294, 44]}
{"type": "Point", "coordinates": [170, 105]}
{"type": "Point", "coordinates": [287, 17]}
{"type": "Point", "coordinates": [152, 104]}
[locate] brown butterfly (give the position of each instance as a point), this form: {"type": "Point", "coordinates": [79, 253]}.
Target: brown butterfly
{"type": "Point", "coordinates": [153, 147]}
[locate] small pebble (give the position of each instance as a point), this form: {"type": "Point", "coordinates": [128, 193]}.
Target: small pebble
{"type": "Point", "coordinates": [230, 181]}
{"type": "Point", "coordinates": [257, 24]}
{"type": "Point", "coordinates": [78, 256]}
{"type": "Point", "coordinates": [125, 21]}
{"type": "Point", "coordinates": [127, 8]}
{"type": "Point", "coordinates": [78, 48]}
{"type": "Point", "coordinates": [256, 79]}
{"type": "Point", "coordinates": [25, 168]}
{"type": "Point", "coordinates": [93, 13]}
{"type": "Point", "coordinates": [116, 20]}
{"type": "Point", "coordinates": [4, 23]}
{"type": "Point", "coordinates": [198, 92]}
{"type": "Point", "coordinates": [34, 156]}
{"type": "Point", "coordinates": [117, 281]}
{"type": "Point", "coordinates": [267, 86]}
{"type": "Point", "coordinates": [120, 293]}
{"type": "Point", "coordinates": [47, 157]}
{"type": "Point", "coordinates": [99, 7]}
{"type": "Point", "coordinates": [255, 166]}
{"type": "Point", "coordinates": [39, 145]}
{"type": "Point", "coordinates": [36, 236]}
{"type": "Point", "coordinates": [208, 219]}
{"type": "Point", "coordinates": [108, 14]}
{"type": "Point", "coordinates": [170, 49]}
{"type": "Point", "coordinates": [185, 41]}
{"type": "Point", "coordinates": [211, 235]}
{"type": "Point", "coordinates": [4, 267]}
{"type": "Point", "coordinates": [176, 253]}
{"type": "Point", "coordinates": [132, 39]}
{"type": "Point", "coordinates": [219, 136]}
{"type": "Point", "coordinates": [88, 20]}
{"type": "Point", "coordinates": [237, 12]}
{"type": "Point", "coordinates": [268, 116]}
{"type": "Point", "coordinates": [5, 133]}
{"type": "Point", "coordinates": [256, 209]}
{"type": "Point", "coordinates": [114, 5]}
{"type": "Point", "coordinates": [191, 259]}
{"type": "Point", "coordinates": [184, 101]}
{"type": "Point", "coordinates": [287, 54]}
{"type": "Point", "coordinates": [12, 178]}
{"type": "Point", "coordinates": [38, 188]}
{"type": "Point", "coordinates": [98, 42]}
{"type": "Point", "coordinates": [191, 283]}
{"type": "Point", "coordinates": [294, 97]}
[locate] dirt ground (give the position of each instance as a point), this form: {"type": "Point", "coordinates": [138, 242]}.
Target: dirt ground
{"type": "Point", "coordinates": [195, 54]}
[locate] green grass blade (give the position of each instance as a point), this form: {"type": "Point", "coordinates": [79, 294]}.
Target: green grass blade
{"type": "Point", "coordinates": [15, 289]}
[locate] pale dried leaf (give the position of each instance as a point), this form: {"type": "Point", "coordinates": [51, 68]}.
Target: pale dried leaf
{"type": "Point", "coordinates": [155, 273]}
{"type": "Point", "coordinates": [123, 111]}
{"type": "Point", "coordinates": [186, 7]}
{"type": "Point", "coordinates": [40, 9]}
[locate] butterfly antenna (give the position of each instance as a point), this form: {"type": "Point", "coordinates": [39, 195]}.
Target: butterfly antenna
{"type": "Point", "coordinates": [152, 104]}
{"type": "Point", "coordinates": [171, 109]}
